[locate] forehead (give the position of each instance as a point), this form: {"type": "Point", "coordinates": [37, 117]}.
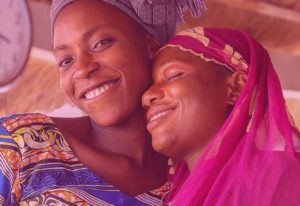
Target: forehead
{"type": "Point", "coordinates": [169, 56]}
{"type": "Point", "coordinates": [79, 17]}
{"type": "Point", "coordinates": [89, 12]}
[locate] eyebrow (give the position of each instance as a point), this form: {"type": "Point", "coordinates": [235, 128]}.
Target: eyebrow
{"type": "Point", "coordinates": [59, 48]}
{"type": "Point", "coordinates": [172, 61]}
{"type": "Point", "coordinates": [85, 35]}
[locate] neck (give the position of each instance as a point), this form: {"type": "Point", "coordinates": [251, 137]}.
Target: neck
{"type": "Point", "coordinates": [129, 138]}
{"type": "Point", "coordinates": [192, 159]}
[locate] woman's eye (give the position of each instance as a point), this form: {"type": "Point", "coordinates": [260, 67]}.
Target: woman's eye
{"type": "Point", "coordinates": [65, 62]}
{"type": "Point", "coordinates": [102, 44]}
{"type": "Point", "coordinates": [174, 76]}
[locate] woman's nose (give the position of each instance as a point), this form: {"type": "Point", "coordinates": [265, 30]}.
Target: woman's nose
{"type": "Point", "coordinates": [85, 67]}
{"type": "Point", "coordinates": [152, 95]}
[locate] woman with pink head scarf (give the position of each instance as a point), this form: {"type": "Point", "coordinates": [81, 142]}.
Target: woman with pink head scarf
{"type": "Point", "coordinates": [216, 108]}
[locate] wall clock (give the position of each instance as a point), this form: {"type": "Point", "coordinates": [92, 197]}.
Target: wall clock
{"type": "Point", "coordinates": [15, 39]}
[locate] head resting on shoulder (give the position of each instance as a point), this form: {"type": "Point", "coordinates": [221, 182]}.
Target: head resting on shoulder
{"type": "Point", "coordinates": [198, 78]}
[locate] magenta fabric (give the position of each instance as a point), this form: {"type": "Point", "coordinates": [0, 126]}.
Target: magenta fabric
{"type": "Point", "coordinates": [254, 159]}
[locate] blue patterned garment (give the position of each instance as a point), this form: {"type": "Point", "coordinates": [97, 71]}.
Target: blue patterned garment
{"type": "Point", "coordinates": [37, 167]}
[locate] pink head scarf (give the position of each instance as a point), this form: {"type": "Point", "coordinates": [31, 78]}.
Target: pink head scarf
{"type": "Point", "coordinates": [254, 159]}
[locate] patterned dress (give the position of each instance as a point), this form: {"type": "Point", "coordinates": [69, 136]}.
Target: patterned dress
{"type": "Point", "coordinates": [37, 167]}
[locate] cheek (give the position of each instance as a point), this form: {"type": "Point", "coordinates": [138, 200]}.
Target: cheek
{"type": "Point", "coordinates": [195, 110]}
{"type": "Point", "coordinates": [137, 74]}
{"type": "Point", "coordinates": [130, 60]}
{"type": "Point", "coordinates": [63, 83]}
{"type": "Point", "coordinates": [202, 117]}
{"type": "Point", "coordinates": [66, 85]}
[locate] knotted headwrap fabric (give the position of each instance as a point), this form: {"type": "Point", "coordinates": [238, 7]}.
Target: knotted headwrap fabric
{"type": "Point", "coordinates": [158, 17]}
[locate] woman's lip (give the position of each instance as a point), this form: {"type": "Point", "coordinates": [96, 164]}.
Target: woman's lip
{"type": "Point", "coordinates": [84, 91]}
{"type": "Point", "coordinates": [98, 95]}
{"type": "Point", "coordinates": [158, 118]}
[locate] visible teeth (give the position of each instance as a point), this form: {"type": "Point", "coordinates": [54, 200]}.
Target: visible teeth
{"type": "Point", "coordinates": [158, 116]}
{"type": "Point", "coordinates": [98, 91]}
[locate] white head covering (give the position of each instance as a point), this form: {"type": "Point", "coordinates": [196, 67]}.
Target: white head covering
{"type": "Point", "coordinates": [158, 17]}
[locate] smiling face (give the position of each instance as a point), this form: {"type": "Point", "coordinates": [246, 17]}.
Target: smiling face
{"type": "Point", "coordinates": [187, 104]}
{"type": "Point", "coordinates": [103, 60]}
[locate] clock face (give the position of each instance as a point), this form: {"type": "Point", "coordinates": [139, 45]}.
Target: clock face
{"type": "Point", "coordinates": [15, 38]}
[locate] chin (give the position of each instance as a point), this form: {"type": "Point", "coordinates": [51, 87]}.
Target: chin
{"type": "Point", "coordinates": [162, 145]}
{"type": "Point", "coordinates": [105, 119]}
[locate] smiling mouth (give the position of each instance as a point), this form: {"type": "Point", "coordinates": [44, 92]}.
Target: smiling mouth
{"type": "Point", "coordinates": [98, 91]}
{"type": "Point", "coordinates": [159, 115]}
{"type": "Point", "coordinates": [156, 119]}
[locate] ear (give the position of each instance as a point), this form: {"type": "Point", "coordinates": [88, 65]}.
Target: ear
{"type": "Point", "coordinates": [237, 83]}
{"type": "Point", "coordinates": [153, 45]}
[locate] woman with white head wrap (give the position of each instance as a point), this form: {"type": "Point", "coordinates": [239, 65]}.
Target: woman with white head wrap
{"type": "Point", "coordinates": [103, 50]}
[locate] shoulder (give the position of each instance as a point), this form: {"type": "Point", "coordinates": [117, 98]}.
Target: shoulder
{"type": "Point", "coordinates": [11, 126]}
{"type": "Point", "coordinates": [10, 123]}
{"type": "Point", "coordinates": [11, 140]}
{"type": "Point", "coordinates": [15, 121]}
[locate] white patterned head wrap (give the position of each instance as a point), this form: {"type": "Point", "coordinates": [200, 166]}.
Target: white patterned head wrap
{"type": "Point", "coordinates": [158, 17]}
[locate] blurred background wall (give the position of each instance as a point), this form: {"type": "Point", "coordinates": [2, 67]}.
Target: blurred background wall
{"type": "Point", "coordinates": [275, 23]}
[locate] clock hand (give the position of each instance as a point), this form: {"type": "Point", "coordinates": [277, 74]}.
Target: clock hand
{"type": "Point", "coordinates": [4, 38]}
